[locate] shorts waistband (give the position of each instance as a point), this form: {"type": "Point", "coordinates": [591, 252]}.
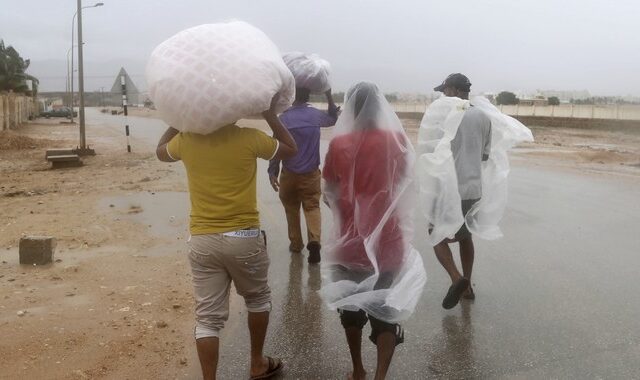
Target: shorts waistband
{"type": "Point", "coordinates": [246, 233]}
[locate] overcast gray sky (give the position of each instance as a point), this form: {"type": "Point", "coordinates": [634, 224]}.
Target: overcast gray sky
{"type": "Point", "coordinates": [405, 46]}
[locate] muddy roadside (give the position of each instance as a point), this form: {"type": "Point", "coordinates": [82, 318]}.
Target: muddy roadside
{"type": "Point", "coordinates": [119, 289]}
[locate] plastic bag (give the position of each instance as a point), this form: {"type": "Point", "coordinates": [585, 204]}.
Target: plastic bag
{"type": "Point", "coordinates": [212, 75]}
{"type": "Point", "coordinates": [309, 70]}
{"type": "Point", "coordinates": [439, 198]}
{"type": "Point", "coordinates": [370, 263]}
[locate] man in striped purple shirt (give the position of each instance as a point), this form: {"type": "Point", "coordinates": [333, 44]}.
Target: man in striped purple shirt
{"type": "Point", "coordinates": [299, 182]}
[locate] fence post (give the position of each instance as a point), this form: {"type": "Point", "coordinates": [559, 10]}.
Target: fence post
{"type": "Point", "coordinates": [593, 109]}
{"type": "Point", "coordinates": [572, 110]}
{"type": "Point", "coordinates": [12, 111]}
{"type": "Point", "coordinates": [7, 111]}
{"type": "Point", "coordinates": [1, 112]}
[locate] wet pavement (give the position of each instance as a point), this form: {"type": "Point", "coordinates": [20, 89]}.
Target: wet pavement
{"type": "Point", "coordinates": [556, 297]}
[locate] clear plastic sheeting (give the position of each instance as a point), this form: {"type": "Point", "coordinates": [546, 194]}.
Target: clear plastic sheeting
{"type": "Point", "coordinates": [439, 198]}
{"type": "Point", "coordinates": [369, 262]}
{"type": "Point", "coordinates": [309, 70]}
{"type": "Point", "coordinates": [212, 75]}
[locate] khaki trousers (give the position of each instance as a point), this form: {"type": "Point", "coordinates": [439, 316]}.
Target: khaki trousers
{"type": "Point", "coordinates": [301, 190]}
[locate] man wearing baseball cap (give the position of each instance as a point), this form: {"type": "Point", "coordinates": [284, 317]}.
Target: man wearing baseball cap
{"type": "Point", "coordinates": [471, 146]}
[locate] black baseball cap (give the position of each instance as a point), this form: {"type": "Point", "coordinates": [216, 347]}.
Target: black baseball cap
{"type": "Point", "coordinates": [457, 80]}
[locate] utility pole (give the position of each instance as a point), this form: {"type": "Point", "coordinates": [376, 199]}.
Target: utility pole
{"type": "Point", "coordinates": [82, 149]}
{"type": "Point", "coordinates": [73, 20]}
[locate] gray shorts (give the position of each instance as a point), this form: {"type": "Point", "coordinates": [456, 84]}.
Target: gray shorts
{"type": "Point", "coordinates": [463, 232]}
{"type": "Point", "coordinates": [216, 261]}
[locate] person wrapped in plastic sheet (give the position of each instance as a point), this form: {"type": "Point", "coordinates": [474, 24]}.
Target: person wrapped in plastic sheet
{"type": "Point", "coordinates": [371, 271]}
{"type": "Point", "coordinates": [462, 170]}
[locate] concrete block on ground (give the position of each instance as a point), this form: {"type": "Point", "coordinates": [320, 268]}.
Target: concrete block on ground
{"type": "Point", "coordinates": [57, 152]}
{"type": "Point", "coordinates": [64, 161]}
{"type": "Point", "coordinates": [37, 250]}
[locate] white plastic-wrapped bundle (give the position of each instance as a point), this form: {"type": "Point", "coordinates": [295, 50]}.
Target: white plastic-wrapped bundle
{"type": "Point", "coordinates": [309, 70]}
{"type": "Point", "coordinates": [369, 263]}
{"type": "Point", "coordinates": [439, 196]}
{"type": "Point", "coordinates": [212, 75]}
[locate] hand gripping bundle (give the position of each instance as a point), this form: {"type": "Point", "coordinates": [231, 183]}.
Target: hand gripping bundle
{"type": "Point", "coordinates": [309, 70]}
{"type": "Point", "coordinates": [212, 75]}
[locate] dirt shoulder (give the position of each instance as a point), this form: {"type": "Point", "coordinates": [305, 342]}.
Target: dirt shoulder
{"type": "Point", "coordinates": [589, 150]}
{"type": "Point", "coordinates": [116, 292]}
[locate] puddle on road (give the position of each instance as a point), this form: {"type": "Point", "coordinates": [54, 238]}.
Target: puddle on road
{"type": "Point", "coordinates": [166, 214]}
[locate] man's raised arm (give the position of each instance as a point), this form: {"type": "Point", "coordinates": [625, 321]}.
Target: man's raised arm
{"type": "Point", "coordinates": [161, 150]}
{"type": "Point", "coordinates": [287, 147]}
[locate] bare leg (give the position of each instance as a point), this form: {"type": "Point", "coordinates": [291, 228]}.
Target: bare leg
{"type": "Point", "coordinates": [445, 257]}
{"type": "Point", "coordinates": [354, 340]}
{"type": "Point", "coordinates": [258, 323]}
{"type": "Point", "coordinates": [386, 344]}
{"type": "Point", "coordinates": [466, 256]}
{"type": "Point", "coordinates": [208, 355]}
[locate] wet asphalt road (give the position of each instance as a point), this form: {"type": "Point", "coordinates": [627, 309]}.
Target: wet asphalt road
{"type": "Point", "coordinates": [556, 297]}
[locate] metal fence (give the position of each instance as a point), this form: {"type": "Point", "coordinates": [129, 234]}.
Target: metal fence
{"type": "Point", "coordinates": [15, 109]}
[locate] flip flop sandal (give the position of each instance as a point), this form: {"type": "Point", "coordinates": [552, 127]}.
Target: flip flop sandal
{"type": "Point", "coordinates": [455, 292]}
{"type": "Point", "coordinates": [275, 366]}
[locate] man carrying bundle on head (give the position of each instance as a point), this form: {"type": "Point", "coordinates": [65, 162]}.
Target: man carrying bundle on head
{"type": "Point", "coordinates": [226, 244]}
{"type": "Point", "coordinates": [299, 182]}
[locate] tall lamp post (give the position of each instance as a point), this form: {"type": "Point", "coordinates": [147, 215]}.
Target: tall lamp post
{"type": "Point", "coordinates": [82, 149]}
{"type": "Point", "coordinates": [69, 85]}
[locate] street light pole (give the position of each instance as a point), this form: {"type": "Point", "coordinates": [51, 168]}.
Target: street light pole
{"type": "Point", "coordinates": [83, 140]}
{"type": "Point", "coordinates": [69, 83]}
{"type": "Point", "coordinates": [82, 149]}
{"type": "Point", "coordinates": [72, 74]}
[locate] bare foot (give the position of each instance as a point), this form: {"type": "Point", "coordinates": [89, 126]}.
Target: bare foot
{"type": "Point", "coordinates": [267, 368]}
{"type": "Point", "coordinates": [469, 294]}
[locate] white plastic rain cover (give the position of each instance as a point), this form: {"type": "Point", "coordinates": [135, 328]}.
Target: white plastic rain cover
{"type": "Point", "coordinates": [368, 172]}
{"type": "Point", "coordinates": [212, 75]}
{"type": "Point", "coordinates": [309, 70]}
{"type": "Point", "coordinates": [439, 198]}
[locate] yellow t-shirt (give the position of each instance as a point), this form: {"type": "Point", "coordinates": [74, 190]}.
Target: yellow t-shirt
{"type": "Point", "coordinates": [221, 170]}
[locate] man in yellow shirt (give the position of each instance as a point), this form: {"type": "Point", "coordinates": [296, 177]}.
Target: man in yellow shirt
{"type": "Point", "coordinates": [226, 243]}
